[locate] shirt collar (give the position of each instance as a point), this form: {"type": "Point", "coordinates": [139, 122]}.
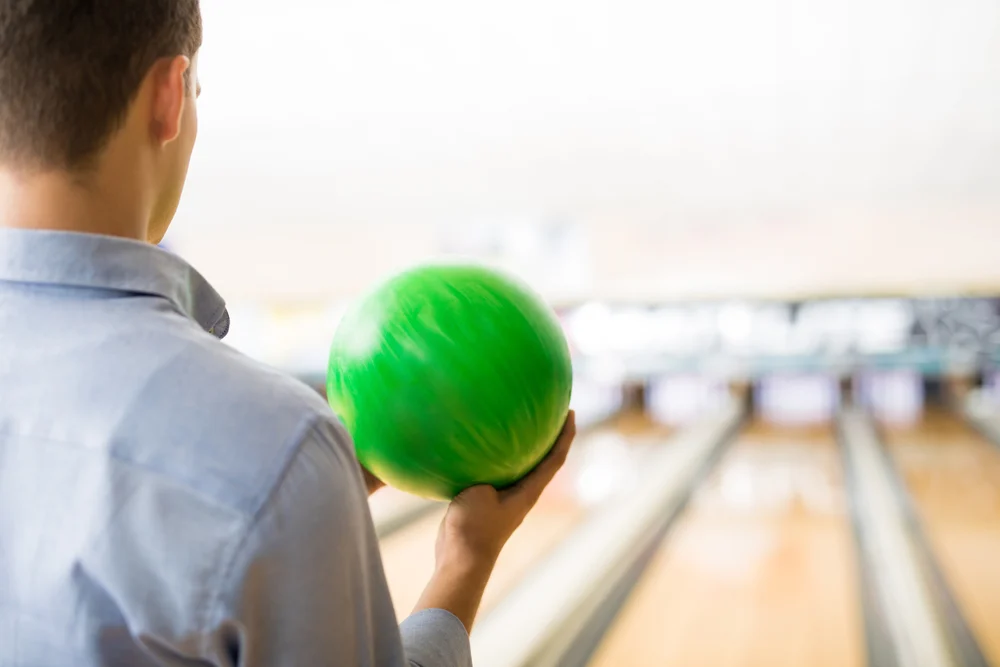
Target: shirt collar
{"type": "Point", "coordinates": [106, 262]}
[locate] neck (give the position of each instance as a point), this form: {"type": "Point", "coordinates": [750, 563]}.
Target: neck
{"type": "Point", "coordinates": [63, 201]}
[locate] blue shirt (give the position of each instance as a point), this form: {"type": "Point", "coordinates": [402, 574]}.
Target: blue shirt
{"type": "Point", "coordinates": [165, 500]}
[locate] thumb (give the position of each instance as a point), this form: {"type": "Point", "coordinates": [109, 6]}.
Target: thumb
{"type": "Point", "coordinates": [476, 495]}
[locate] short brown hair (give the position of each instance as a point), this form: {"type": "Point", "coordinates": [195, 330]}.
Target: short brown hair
{"type": "Point", "coordinates": [69, 69]}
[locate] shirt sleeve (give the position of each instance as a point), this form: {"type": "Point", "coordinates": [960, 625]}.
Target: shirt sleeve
{"type": "Point", "coordinates": [436, 637]}
{"type": "Point", "coordinates": [307, 587]}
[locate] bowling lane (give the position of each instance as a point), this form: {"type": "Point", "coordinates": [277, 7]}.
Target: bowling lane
{"type": "Point", "coordinates": [759, 570]}
{"type": "Point", "coordinates": [953, 476]}
{"type": "Point", "coordinates": [408, 555]}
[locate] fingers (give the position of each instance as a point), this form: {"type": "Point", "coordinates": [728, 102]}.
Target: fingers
{"type": "Point", "coordinates": [372, 483]}
{"type": "Point", "coordinates": [529, 489]}
{"type": "Point", "coordinates": [557, 456]}
{"type": "Point", "coordinates": [477, 495]}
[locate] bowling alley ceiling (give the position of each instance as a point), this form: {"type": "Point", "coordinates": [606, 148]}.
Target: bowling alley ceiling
{"type": "Point", "coordinates": [691, 149]}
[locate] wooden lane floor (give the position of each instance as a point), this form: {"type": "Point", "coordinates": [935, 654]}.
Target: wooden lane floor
{"type": "Point", "coordinates": [759, 570]}
{"type": "Point", "coordinates": [408, 555]}
{"type": "Point", "coordinates": [953, 478]}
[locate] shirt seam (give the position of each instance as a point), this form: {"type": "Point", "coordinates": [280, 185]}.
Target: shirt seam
{"type": "Point", "coordinates": [246, 513]}
{"type": "Point", "coordinates": [299, 438]}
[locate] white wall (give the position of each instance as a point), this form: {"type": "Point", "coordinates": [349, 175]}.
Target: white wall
{"type": "Point", "coordinates": [857, 253]}
{"type": "Point", "coordinates": [338, 138]}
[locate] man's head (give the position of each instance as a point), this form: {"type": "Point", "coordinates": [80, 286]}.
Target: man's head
{"type": "Point", "coordinates": [89, 85]}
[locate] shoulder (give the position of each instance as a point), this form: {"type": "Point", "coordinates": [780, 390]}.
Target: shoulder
{"type": "Point", "coordinates": [228, 426]}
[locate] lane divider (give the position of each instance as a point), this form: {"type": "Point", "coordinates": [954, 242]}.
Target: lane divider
{"type": "Point", "coordinates": [910, 600]}
{"type": "Point", "coordinates": [551, 612]}
{"type": "Point", "coordinates": [964, 646]}
{"type": "Point", "coordinates": [983, 416]}
{"type": "Point", "coordinates": [879, 644]}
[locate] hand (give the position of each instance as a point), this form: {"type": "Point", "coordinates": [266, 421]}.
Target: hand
{"type": "Point", "coordinates": [481, 519]}
{"type": "Point", "coordinates": [372, 483]}
{"type": "Point", "coordinates": [478, 523]}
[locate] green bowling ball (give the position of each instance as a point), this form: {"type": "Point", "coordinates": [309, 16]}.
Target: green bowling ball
{"type": "Point", "coordinates": [450, 376]}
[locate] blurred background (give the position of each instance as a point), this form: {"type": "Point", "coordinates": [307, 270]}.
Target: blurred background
{"type": "Point", "coordinates": [792, 208]}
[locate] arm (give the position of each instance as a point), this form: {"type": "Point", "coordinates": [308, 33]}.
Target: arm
{"type": "Point", "coordinates": [457, 585]}
{"type": "Point", "coordinates": [476, 527]}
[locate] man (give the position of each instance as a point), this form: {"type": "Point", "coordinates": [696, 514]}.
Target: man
{"type": "Point", "coordinates": [164, 500]}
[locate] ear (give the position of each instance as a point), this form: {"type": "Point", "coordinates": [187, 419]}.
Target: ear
{"type": "Point", "coordinates": [170, 94]}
